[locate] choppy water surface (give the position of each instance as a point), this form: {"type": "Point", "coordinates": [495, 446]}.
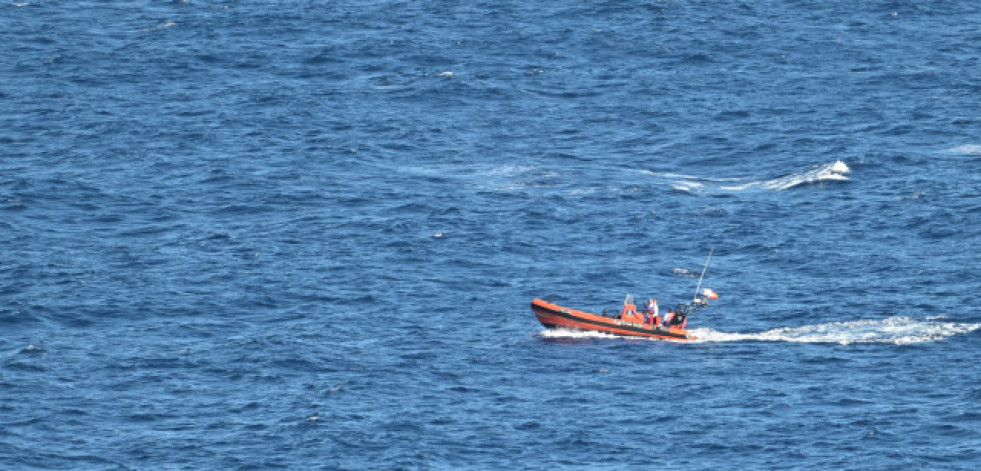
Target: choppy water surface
{"type": "Point", "coordinates": [265, 235]}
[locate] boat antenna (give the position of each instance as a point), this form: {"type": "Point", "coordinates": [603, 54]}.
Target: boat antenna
{"type": "Point", "coordinates": [695, 298]}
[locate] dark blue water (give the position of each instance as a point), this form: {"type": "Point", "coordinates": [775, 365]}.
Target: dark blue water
{"type": "Point", "coordinates": [261, 235]}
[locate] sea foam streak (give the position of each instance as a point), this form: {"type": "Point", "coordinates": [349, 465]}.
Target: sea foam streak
{"type": "Point", "coordinates": [836, 171]}
{"type": "Point", "coordinates": [575, 334]}
{"type": "Point", "coordinates": [966, 149]}
{"type": "Point", "coordinates": [562, 333]}
{"type": "Point", "coordinates": [894, 330]}
{"type": "Point", "coordinates": [823, 173]}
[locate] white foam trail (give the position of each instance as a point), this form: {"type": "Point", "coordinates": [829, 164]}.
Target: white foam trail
{"type": "Point", "coordinates": [966, 149]}
{"type": "Point", "coordinates": [894, 330]}
{"type": "Point", "coordinates": [828, 172]}
{"type": "Point", "coordinates": [835, 171]}
{"type": "Point", "coordinates": [562, 333]}
{"type": "Point", "coordinates": [831, 172]}
{"type": "Point", "coordinates": [575, 334]}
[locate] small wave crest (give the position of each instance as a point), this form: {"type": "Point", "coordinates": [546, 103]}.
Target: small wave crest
{"type": "Point", "coordinates": [831, 172]}
{"type": "Point", "coordinates": [164, 25]}
{"type": "Point", "coordinates": [966, 149]}
{"type": "Point", "coordinates": [683, 272]}
{"type": "Point", "coordinates": [894, 330]}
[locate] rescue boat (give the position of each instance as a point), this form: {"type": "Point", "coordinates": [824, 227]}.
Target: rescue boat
{"type": "Point", "coordinates": [628, 322]}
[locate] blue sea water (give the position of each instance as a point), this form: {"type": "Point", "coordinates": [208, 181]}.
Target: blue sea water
{"type": "Point", "coordinates": [305, 235]}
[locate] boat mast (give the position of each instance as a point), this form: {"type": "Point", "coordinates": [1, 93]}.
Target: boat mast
{"type": "Point", "coordinates": [695, 298]}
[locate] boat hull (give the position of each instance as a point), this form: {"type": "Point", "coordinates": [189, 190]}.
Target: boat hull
{"type": "Point", "coordinates": [553, 316]}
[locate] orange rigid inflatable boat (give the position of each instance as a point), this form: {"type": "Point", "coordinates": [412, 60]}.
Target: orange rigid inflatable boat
{"type": "Point", "coordinates": [629, 322]}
